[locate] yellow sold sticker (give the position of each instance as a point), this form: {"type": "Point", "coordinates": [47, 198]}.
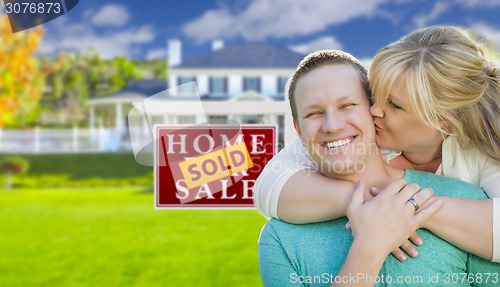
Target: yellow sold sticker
{"type": "Point", "coordinates": [216, 165]}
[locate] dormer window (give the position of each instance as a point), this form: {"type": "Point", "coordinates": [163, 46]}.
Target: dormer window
{"type": "Point", "coordinates": [186, 89]}
{"type": "Point", "coordinates": [218, 85]}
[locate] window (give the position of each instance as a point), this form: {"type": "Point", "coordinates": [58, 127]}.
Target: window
{"type": "Point", "coordinates": [251, 84]}
{"type": "Point", "coordinates": [218, 85]}
{"type": "Point", "coordinates": [281, 84]}
{"type": "Point", "coordinates": [186, 89]}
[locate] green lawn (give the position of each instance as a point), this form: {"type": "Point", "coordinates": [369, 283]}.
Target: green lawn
{"type": "Point", "coordinates": [114, 237]}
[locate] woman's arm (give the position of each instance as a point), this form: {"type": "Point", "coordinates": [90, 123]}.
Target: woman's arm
{"type": "Point", "coordinates": [465, 223]}
{"type": "Point", "coordinates": [309, 197]}
{"type": "Point", "coordinates": [290, 188]}
{"type": "Point", "coordinates": [478, 229]}
{"type": "Point", "coordinates": [379, 226]}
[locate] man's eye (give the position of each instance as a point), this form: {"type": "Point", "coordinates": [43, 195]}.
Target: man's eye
{"type": "Point", "coordinates": [392, 104]}
{"type": "Point", "coordinates": [311, 114]}
{"type": "Point", "coordinates": [347, 105]}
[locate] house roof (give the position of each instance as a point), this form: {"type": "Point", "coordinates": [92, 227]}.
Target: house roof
{"type": "Point", "coordinates": [147, 87]}
{"type": "Point", "coordinates": [245, 55]}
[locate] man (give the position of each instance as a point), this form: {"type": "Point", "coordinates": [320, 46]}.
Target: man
{"type": "Point", "coordinates": [329, 101]}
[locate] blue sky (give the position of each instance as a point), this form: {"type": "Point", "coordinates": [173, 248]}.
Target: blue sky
{"type": "Point", "coordinates": [141, 29]}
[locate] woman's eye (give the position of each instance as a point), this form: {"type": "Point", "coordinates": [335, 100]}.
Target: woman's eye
{"type": "Point", "coordinates": [392, 104]}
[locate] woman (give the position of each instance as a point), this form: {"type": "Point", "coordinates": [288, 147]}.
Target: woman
{"type": "Point", "coordinates": [436, 99]}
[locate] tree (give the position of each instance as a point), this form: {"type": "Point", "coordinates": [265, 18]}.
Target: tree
{"type": "Point", "coordinates": [73, 79]}
{"type": "Point", "coordinates": [21, 78]}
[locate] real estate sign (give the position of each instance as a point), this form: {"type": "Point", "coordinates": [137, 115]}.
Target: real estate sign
{"type": "Point", "coordinates": [210, 166]}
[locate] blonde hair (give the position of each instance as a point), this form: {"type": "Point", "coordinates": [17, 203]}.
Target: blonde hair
{"type": "Point", "coordinates": [452, 86]}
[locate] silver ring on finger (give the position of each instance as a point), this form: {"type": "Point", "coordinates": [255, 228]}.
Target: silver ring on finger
{"type": "Point", "coordinates": [414, 202]}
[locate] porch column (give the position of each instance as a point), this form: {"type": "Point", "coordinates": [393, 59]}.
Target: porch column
{"type": "Point", "coordinates": [92, 117]}
{"type": "Point", "coordinates": [119, 117]}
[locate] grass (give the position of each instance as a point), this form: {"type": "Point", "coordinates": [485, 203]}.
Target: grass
{"type": "Point", "coordinates": [114, 237]}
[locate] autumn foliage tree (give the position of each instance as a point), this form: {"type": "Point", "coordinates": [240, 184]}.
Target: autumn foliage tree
{"type": "Point", "coordinates": [21, 77]}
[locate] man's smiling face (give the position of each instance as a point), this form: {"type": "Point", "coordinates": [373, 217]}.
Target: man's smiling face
{"type": "Point", "coordinates": [334, 120]}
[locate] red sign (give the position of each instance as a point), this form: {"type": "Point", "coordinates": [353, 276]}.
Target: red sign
{"type": "Point", "coordinates": [210, 166]}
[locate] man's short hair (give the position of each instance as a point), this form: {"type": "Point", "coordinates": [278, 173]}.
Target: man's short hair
{"type": "Point", "coordinates": [322, 58]}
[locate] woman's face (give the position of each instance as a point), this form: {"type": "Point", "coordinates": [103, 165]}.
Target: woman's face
{"type": "Point", "coordinates": [398, 127]}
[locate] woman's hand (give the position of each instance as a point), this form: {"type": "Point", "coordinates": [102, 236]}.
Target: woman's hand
{"type": "Point", "coordinates": [407, 246]}
{"type": "Point", "coordinates": [383, 223]}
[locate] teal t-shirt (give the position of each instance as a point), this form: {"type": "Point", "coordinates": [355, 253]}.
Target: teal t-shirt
{"type": "Point", "coordinates": [312, 254]}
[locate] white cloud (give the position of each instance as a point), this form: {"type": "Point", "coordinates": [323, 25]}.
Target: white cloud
{"type": "Point", "coordinates": [111, 15]}
{"type": "Point", "coordinates": [492, 34]}
{"type": "Point", "coordinates": [423, 20]}
{"type": "Point", "coordinates": [327, 42]}
{"type": "Point", "coordinates": [160, 53]}
{"type": "Point", "coordinates": [367, 62]}
{"type": "Point", "coordinates": [71, 36]}
{"type": "Point", "coordinates": [478, 3]}
{"type": "Point", "coordinates": [280, 18]}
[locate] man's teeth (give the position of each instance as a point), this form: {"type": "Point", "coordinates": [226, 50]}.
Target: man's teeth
{"type": "Point", "coordinates": [338, 143]}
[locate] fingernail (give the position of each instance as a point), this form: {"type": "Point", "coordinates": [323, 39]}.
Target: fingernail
{"type": "Point", "coordinates": [402, 257]}
{"type": "Point", "coordinates": [414, 253]}
{"type": "Point", "coordinates": [347, 225]}
{"type": "Point", "coordinates": [419, 242]}
{"type": "Point", "coordinates": [375, 188]}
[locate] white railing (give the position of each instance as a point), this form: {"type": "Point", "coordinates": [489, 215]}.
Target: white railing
{"type": "Point", "coordinates": [73, 140]}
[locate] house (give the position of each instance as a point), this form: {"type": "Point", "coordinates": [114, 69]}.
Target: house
{"type": "Point", "coordinates": [243, 83]}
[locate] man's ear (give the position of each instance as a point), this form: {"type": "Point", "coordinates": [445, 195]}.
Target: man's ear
{"type": "Point", "coordinates": [297, 128]}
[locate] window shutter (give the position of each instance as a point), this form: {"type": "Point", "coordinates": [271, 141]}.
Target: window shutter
{"type": "Point", "coordinates": [210, 85]}
{"type": "Point", "coordinates": [225, 86]}
{"type": "Point", "coordinates": [244, 84]}
{"type": "Point", "coordinates": [258, 84]}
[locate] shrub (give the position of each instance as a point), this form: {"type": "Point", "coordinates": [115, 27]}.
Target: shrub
{"type": "Point", "coordinates": [12, 165]}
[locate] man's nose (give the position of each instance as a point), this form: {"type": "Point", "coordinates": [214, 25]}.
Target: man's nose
{"type": "Point", "coordinates": [333, 122]}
